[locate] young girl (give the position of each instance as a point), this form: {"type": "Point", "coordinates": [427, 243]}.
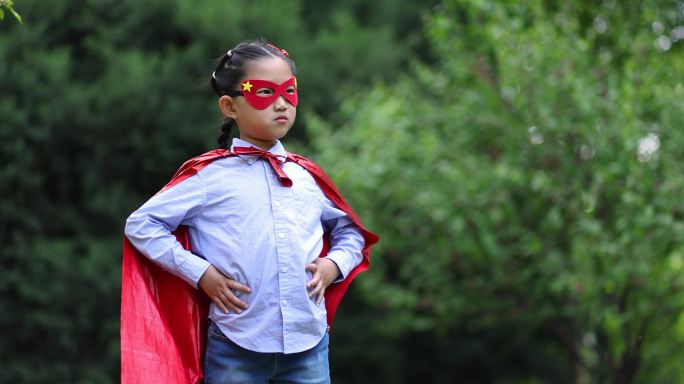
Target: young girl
{"type": "Point", "coordinates": [262, 232]}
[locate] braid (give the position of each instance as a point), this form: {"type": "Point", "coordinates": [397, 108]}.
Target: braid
{"type": "Point", "coordinates": [225, 133]}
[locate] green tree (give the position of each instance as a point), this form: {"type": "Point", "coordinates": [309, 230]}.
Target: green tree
{"type": "Point", "coordinates": [100, 102]}
{"type": "Point", "coordinates": [526, 190]}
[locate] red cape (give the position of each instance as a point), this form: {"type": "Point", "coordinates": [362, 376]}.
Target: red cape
{"type": "Point", "coordinates": [164, 319]}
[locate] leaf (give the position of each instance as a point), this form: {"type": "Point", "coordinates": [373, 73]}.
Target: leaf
{"type": "Point", "coordinates": [16, 15]}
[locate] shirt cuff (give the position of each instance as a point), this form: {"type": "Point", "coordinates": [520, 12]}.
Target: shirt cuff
{"type": "Point", "coordinates": [343, 262]}
{"type": "Point", "coordinates": [192, 269]}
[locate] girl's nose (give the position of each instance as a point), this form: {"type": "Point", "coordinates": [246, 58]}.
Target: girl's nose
{"type": "Point", "coordinates": [280, 103]}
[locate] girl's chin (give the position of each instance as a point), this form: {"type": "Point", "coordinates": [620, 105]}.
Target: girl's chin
{"type": "Point", "coordinates": [281, 130]}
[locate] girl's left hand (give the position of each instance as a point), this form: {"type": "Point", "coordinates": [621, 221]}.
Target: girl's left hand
{"type": "Point", "coordinates": [324, 271]}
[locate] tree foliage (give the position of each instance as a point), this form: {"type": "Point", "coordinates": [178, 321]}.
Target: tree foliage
{"type": "Point", "coordinates": [526, 190]}
{"type": "Point", "coordinates": [100, 102]}
{"type": "Point", "coordinates": [521, 162]}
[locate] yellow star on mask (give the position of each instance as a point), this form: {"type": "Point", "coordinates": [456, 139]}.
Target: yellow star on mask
{"type": "Point", "coordinates": [246, 87]}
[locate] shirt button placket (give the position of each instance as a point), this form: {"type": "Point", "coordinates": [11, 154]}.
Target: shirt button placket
{"type": "Point", "coordinates": [279, 195]}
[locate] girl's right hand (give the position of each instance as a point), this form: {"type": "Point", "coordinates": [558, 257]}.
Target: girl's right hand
{"type": "Point", "coordinates": [220, 289]}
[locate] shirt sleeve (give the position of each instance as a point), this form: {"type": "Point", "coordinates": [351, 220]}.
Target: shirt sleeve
{"type": "Point", "coordinates": [149, 229]}
{"type": "Point", "coordinates": [346, 241]}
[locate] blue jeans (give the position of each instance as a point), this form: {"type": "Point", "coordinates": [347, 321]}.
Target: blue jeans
{"type": "Point", "coordinates": [227, 362]}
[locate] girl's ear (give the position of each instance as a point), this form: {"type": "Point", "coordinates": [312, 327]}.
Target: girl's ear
{"type": "Point", "coordinates": [227, 106]}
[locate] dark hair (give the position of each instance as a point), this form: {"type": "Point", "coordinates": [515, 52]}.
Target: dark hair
{"type": "Point", "coordinates": [230, 70]}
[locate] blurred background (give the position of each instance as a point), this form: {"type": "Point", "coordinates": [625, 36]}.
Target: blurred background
{"type": "Point", "coordinates": [521, 161]}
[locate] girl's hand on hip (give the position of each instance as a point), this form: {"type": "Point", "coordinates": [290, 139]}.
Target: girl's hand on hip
{"type": "Point", "coordinates": [324, 271]}
{"type": "Point", "coordinates": [220, 289]}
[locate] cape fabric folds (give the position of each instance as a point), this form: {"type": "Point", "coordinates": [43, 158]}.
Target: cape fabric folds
{"type": "Point", "coordinates": [164, 319]}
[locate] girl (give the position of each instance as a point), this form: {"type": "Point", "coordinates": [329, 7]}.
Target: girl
{"type": "Point", "coordinates": [262, 232]}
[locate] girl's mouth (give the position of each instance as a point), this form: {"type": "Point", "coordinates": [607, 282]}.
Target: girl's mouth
{"type": "Point", "coordinates": [281, 119]}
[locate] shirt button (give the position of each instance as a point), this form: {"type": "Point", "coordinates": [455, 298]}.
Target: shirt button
{"type": "Point", "coordinates": [276, 203]}
{"type": "Point", "coordinates": [283, 269]}
{"type": "Point", "coordinates": [284, 303]}
{"type": "Point", "coordinates": [281, 235]}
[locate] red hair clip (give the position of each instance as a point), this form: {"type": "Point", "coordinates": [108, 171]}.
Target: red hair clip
{"type": "Point", "coordinates": [284, 52]}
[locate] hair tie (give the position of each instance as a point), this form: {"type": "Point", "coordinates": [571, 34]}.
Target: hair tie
{"type": "Point", "coordinates": [229, 53]}
{"type": "Point", "coordinates": [282, 51]}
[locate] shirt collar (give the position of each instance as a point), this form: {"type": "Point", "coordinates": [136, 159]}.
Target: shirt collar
{"type": "Point", "coordinates": [277, 149]}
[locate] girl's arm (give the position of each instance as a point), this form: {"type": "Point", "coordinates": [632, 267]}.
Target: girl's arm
{"type": "Point", "coordinates": [149, 229]}
{"type": "Point", "coordinates": [346, 241]}
{"type": "Point", "coordinates": [346, 245]}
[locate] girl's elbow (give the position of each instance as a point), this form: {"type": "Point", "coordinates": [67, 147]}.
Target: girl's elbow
{"type": "Point", "coordinates": [132, 226]}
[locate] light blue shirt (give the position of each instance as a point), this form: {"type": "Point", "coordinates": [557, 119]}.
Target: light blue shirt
{"type": "Point", "coordinates": [245, 223]}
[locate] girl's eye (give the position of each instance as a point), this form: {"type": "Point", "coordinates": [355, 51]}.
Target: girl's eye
{"type": "Point", "coordinates": [264, 92]}
{"type": "Point", "coordinates": [291, 90]}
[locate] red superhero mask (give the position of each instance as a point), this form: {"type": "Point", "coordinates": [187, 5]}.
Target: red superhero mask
{"type": "Point", "coordinates": [261, 93]}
